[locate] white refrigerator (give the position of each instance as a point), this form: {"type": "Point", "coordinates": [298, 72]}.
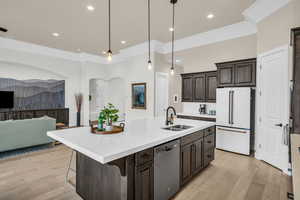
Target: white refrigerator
{"type": "Point", "coordinates": [233, 119]}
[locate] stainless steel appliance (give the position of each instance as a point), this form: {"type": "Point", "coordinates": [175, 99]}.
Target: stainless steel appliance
{"type": "Point", "coordinates": [166, 170]}
{"type": "Point", "coordinates": [202, 109]}
{"type": "Point", "coordinates": [233, 129]}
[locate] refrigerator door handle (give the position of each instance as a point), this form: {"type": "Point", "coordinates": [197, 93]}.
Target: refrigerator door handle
{"type": "Point", "coordinates": [229, 109]}
{"type": "Point", "coordinates": [232, 105]}
{"type": "Point", "coordinates": [231, 130]}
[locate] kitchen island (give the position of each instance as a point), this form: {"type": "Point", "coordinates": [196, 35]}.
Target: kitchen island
{"type": "Point", "coordinates": [121, 166]}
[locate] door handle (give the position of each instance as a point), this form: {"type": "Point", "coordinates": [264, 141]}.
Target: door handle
{"type": "Point", "coordinates": [280, 125]}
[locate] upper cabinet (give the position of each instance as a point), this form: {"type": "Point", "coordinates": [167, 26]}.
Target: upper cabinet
{"type": "Point", "coordinates": [187, 88]}
{"type": "Point", "coordinates": [199, 87]}
{"type": "Point", "coordinates": [211, 86]}
{"type": "Point", "coordinates": [237, 73]}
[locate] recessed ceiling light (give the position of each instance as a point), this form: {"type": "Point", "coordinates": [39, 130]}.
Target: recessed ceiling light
{"type": "Point", "coordinates": [55, 34]}
{"type": "Point", "coordinates": [171, 29]}
{"type": "Point", "coordinates": [90, 7]}
{"type": "Point", "coordinates": [78, 49]}
{"type": "Point", "coordinates": [123, 42]}
{"type": "Point", "coordinates": [103, 52]}
{"type": "Point", "coordinates": [210, 16]}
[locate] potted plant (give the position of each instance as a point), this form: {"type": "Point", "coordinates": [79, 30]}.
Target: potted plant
{"type": "Point", "coordinates": [110, 115]}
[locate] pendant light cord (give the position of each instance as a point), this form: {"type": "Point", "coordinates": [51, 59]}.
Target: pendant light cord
{"type": "Point", "coordinates": [173, 35]}
{"type": "Point", "coordinates": [149, 33]}
{"type": "Point", "coordinates": [109, 26]}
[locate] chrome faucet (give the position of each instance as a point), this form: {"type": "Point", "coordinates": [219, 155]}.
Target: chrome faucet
{"type": "Point", "coordinates": [170, 120]}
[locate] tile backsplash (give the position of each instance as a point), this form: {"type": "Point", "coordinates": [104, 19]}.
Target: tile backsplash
{"type": "Point", "coordinates": [194, 107]}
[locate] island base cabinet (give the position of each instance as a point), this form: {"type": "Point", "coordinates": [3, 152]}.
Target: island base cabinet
{"type": "Point", "coordinates": [197, 161]}
{"type": "Point", "coordinates": [96, 181]}
{"type": "Point", "coordinates": [208, 157]}
{"type": "Point", "coordinates": [186, 160]}
{"type": "Point", "coordinates": [197, 151]}
{"type": "Point", "coordinates": [144, 182]}
{"type": "Point", "coordinates": [132, 177]}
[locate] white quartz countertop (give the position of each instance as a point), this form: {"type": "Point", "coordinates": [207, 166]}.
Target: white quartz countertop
{"type": "Point", "coordinates": [198, 115]}
{"type": "Point", "coordinates": [137, 136]}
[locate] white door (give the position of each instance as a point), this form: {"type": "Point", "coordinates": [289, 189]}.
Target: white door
{"type": "Point", "coordinates": [241, 107]}
{"type": "Point", "coordinates": [223, 107]}
{"type": "Point", "coordinates": [273, 107]}
{"type": "Point", "coordinates": [162, 93]}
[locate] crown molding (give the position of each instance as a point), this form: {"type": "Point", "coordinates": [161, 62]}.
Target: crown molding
{"type": "Point", "coordinates": [217, 35]}
{"type": "Point", "coordinates": [237, 30]}
{"type": "Point", "coordinates": [6, 43]}
{"type": "Point", "coordinates": [258, 11]}
{"type": "Point", "coordinates": [261, 9]}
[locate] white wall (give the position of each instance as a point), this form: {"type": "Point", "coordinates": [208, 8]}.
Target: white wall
{"type": "Point", "coordinates": [135, 71]}
{"type": "Point", "coordinates": [203, 58]}
{"type": "Point", "coordinates": [21, 65]}
{"type": "Point", "coordinates": [90, 71]}
{"type": "Point", "coordinates": [107, 91]}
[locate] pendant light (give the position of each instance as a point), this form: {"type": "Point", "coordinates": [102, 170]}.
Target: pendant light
{"type": "Point", "coordinates": [149, 38]}
{"type": "Point", "coordinates": [109, 52]}
{"type": "Point", "coordinates": [173, 2]}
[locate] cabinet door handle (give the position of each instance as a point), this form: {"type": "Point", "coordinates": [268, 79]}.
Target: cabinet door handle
{"type": "Point", "coordinates": [209, 142]}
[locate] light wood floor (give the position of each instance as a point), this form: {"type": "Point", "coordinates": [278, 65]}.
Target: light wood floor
{"type": "Point", "coordinates": [41, 176]}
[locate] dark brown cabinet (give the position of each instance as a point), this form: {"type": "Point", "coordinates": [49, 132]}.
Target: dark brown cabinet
{"type": "Point", "coordinates": [144, 175]}
{"type": "Point", "coordinates": [96, 181]}
{"type": "Point", "coordinates": [237, 73]}
{"type": "Point", "coordinates": [211, 86]}
{"type": "Point", "coordinates": [199, 87]}
{"type": "Point", "coordinates": [186, 160]}
{"type": "Point", "coordinates": [187, 88]}
{"type": "Point", "coordinates": [225, 74]}
{"type": "Point", "coordinates": [144, 182]}
{"type": "Point", "coordinates": [295, 114]}
{"type": "Point", "coordinates": [196, 118]}
{"type": "Point", "coordinates": [197, 151]}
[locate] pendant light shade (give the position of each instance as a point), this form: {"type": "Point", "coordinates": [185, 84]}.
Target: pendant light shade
{"type": "Point", "coordinates": [149, 64]}
{"type": "Point", "coordinates": [149, 37]}
{"type": "Point", "coordinates": [173, 2]}
{"type": "Point", "coordinates": [109, 52]}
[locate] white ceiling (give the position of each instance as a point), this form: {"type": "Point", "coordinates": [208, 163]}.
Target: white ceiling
{"type": "Point", "coordinates": [35, 20]}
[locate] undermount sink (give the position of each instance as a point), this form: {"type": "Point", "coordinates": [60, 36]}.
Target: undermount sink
{"type": "Point", "coordinates": [177, 128]}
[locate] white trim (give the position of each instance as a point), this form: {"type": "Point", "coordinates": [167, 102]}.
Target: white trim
{"type": "Point", "coordinates": [17, 45]}
{"type": "Point", "coordinates": [166, 75]}
{"type": "Point", "coordinates": [259, 153]}
{"type": "Point", "coordinates": [261, 9]}
{"type": "Point", "coordinates": [233, 31]}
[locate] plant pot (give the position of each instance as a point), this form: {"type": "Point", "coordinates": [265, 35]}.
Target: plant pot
{"type": "Point", "coordinates": [108, 128]}
{"type": "Point", "coordinates": [78, 119]}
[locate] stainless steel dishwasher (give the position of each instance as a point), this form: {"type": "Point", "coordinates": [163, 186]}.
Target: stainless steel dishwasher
{"type": "Point", "coordinates": [166, 170]}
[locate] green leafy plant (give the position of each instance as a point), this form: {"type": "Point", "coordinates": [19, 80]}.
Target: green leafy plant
{"type": "Point", "coordinates": [110, 114]}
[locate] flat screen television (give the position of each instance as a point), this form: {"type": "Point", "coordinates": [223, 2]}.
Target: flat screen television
{"type": "Point", "coordinates": [6, 99]}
